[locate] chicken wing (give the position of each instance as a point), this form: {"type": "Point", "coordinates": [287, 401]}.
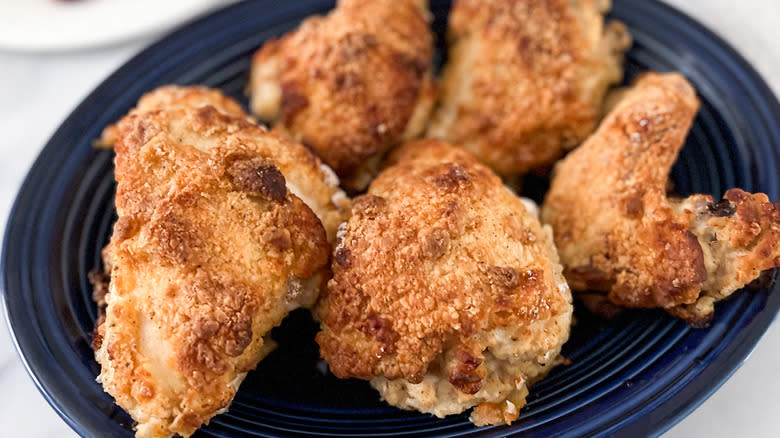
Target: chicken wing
{"type": "Point", "coordinates": [526, 79]}
{"type": "Point", "coordinates": [212, 248]}
{"type": "Point", "coordinates": [617, 232]}
{"type": "Point", "coordinates": [349, 85]}
{"type": "Point", "coordinates": [446, 293]}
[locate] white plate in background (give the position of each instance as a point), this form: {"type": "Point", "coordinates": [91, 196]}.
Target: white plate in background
{"type": "Point", "coordinates": [57, 25]}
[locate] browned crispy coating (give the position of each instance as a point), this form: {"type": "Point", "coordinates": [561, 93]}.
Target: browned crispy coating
{"type": "Point", "coordinates": [446, 292]}
{"type": "Point", "coordinates": [169, 96]}
{"type": "Point", "coordinates": [349, 85]}
{"type": "Point", "coordinates": [616, 231]}
{"type": "Point", "coordinates": [525, 79]}
{"type": "Point", "coordinates": [307, 177]}
{"type": "Point", "coordinates": [211, 250]}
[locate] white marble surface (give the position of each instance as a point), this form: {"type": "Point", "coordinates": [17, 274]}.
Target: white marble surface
{"type": "Point", "coordinates": [38, 91]}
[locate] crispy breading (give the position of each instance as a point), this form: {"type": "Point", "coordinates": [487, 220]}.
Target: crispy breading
{"type": "Point", "coordinates": [349, 85]}
{"type": "Point", "coordinates": [446, 293]}
{"type": "Point", "coordinates": [617, 232]}
{"type": "Point", "coordinates": [307, 177]}
{"type": "Point", "coordinates": [170, 96]}
{"type": "Point", "coordinates": [212, 248]}
{"type": "Point", "coordinates": [525, 79]}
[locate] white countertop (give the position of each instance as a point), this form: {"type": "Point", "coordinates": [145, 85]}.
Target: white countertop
{"type": "Point", "coordinates": [37, 91]}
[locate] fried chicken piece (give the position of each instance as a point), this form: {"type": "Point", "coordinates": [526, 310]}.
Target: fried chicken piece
{"type": "Point", "coordinates": [526, 79]}
{"type": "Point", "coordinates": [617, 232]}
{"type": "Point", "coordinates": [211, 250]}
{"type": "Point", "coordinates": [170, 96]}
{"type": "Point", "coordinates": [349, 85]}
{"type": "Point", "coordinates": [447, 294]}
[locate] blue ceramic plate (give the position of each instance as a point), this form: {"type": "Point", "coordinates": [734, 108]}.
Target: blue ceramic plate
{"type": "Point", "coordinates": [633, 376]}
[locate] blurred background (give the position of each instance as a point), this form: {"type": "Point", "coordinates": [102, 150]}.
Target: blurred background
{"type": "Point", "coordinates": [54, 52]}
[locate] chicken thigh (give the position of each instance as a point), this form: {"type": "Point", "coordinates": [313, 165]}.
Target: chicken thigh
{"type": "Point", "coordinates": [349, 85]}
{"type": "Point", "coordinates": [447, 294]}
{"type": "Point", "coordinates": [525, 79]}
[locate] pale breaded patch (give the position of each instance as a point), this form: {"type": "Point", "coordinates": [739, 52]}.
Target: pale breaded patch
{"type": "Point", "coordinates": [446, 293]}
{"type": "Point", "coordinates": [616, 231]}
{"type": "Point", "coordinates": [349, 85]}
{"type": "Point", "coordinates": [740, 238]}
{"type": "Point", "coordinates": [525, 79]}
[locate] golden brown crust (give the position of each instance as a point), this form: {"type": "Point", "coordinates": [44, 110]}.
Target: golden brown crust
{"type": "Point", "coordinates": [210, 251]}
{"type": "Point", "coordinates": [615, 230]}
{"type": "Point", "coordinates": [351, 84]}
{"type": "Point", "coordinates": [436, 257]}
{"type": "Point", "coordinates": [306, 176]}
{"type": "Point", "coordinates": [171, 96]}
{"type": "Point", "coordinates": [525, 79]}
